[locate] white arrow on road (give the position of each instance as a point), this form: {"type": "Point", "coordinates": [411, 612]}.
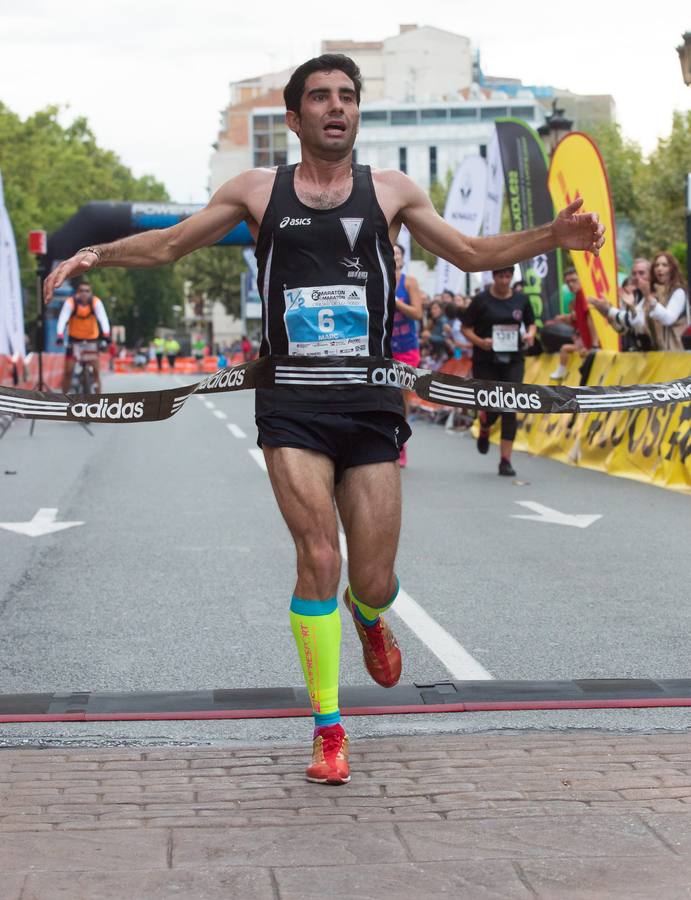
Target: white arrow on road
{"type": "Point", "coordinates": [42, 523]}
{"type": "Point", "coordinates": [554, 517]}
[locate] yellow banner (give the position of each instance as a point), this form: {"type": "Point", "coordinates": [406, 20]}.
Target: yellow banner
{"type": "Point", "coordinates": [577, 170]}
{"type": "Point", "coordinates": [651, 445]}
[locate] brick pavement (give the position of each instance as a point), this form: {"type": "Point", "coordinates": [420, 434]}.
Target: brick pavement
{"type": "Point", "coordinates": [548, 815]}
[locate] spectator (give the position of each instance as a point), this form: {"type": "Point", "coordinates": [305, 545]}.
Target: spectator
{"type": "Point", "coordinates": [579, 318]}
{"type": "Point", "coordinates": [630, 318]}
{"type": "Point", "coordinates": [172, 348]}
{"type": "Point", "coordinates": [667, 303]}
{"type": "Point", "coordinates": [246, 348]}
{"type": "Point", "coordinates": [436, 338]}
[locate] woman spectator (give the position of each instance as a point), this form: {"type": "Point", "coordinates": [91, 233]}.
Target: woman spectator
{"type": "Point", "coordinates": [666, 303]}
{"type": "Point", "coordinates": [493, 324]}
{"type": "Point", "coordinates": [436, 336]}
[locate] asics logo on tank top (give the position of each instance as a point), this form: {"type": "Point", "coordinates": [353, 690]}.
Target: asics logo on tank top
{"type": "Point", "coordinates": [286, 221]}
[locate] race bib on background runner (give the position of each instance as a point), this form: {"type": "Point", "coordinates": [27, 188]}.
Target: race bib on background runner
{"type": "Point", "coordinates": [329, 320]}
{"type": "Point", "coordinates": [505, 338]}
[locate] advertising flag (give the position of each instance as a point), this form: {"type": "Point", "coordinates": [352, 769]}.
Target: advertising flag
{"type": "Point", "coordinates": [577, 170]}
{"type": "Point", "coordinates": [11, 309]}
{"type": "Point", "coordinates": [464, 209]}
{"type": "Point", "coordinates": [494, 198]}
{"type": "Point", "coordinates": [530, 204]}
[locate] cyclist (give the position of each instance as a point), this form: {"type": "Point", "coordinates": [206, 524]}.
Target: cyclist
{"type": "Point", "coordinates": [85, 313]}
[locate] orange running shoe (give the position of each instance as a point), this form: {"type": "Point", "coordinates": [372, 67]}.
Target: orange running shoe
{"type": "Point", "coordinates": [380, 650]}
{"type": "Point", "coordinates": [329, 756]}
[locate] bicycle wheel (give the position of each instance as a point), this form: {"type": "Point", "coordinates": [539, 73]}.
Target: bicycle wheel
{"type": "Point", "coordinates": [87, 380]}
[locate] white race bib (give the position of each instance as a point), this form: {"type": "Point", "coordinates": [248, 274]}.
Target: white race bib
{"type": "Point", "coordinates": [505, 338]}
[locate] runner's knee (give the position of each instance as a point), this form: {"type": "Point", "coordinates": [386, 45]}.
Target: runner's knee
{"type": "Point", "coordinates": [321, 560]}
{"type": "Point", "coordinates": [373, 586]}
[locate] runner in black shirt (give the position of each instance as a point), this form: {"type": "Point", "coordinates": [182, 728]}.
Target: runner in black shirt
{"type": "Point", "coordinates": [500, 323]}
{"type": "Point", "coordinates": [325, 230]}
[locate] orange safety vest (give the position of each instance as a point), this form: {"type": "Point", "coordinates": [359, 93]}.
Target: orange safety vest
{"type": "Point", "coordinates": [83, 324]}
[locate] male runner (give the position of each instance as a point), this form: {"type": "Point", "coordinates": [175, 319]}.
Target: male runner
{"type": "Point", "coordinates": [321, 445]}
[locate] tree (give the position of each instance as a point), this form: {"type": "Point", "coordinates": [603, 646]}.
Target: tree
{"type": "Point", "coordinates": [49, 172]}
{"type": "Point", "coordinates": [214, 273]}
{"type": "Point", "coordinates": [624, 163]}
{"type": "Point", "coordinates": [660, 222]}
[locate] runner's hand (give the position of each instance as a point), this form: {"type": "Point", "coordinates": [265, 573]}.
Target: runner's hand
{"type": "Point", "coordinates": [579, 231]}
{"type": "Point", "coordinates": [75, 265]}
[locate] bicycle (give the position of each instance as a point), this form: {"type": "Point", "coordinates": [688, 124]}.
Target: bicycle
{"type": "Point", "coordinates": [84, 378]}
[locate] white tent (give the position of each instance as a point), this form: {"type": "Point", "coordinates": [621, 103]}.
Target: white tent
{"type": "Point", "coordinates": [11, 309]}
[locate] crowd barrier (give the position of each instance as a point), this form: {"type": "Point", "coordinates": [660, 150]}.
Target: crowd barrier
{"type": "Point", "coordinates": [184, 365]}
{"type": "Point", "coordinates": [651, 445]}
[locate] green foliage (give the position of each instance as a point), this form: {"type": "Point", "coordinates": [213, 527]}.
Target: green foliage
{"type": "Point", "coordinates": [49, 171]}
{"type": "Point", "coordinates": [214, 272]}
{"type": "Point", "coordinates": [650, 192]}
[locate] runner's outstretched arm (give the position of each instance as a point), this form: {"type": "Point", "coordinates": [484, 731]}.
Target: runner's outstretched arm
{"type": "Point", "coordinates": [570, 230]}
{"type": "Point", "coordinates": [225, 210]}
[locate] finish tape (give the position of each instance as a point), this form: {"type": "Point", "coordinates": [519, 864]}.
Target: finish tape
{"type": "Point", "coordinates": [338, 374]}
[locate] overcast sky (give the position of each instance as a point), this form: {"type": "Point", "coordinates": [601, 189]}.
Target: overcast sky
{"type": "Point", "coordinates": [152, 76]}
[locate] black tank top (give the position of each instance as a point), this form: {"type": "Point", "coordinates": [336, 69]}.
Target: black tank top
{"type": "Point", "coordinates": [327, 283]}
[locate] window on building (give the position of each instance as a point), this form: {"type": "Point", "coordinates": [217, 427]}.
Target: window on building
{"type": "Point", "coordinates": [490, 113]}
{"type": "Point", "coordinates": [269, 140]}
{"type": "Point", "coordinates": [404, 117]}
{"type": "Point", "coordinates": [463, 112]}
{"type": "Point", "coordinates": [432, 164]}
{"type": "Point", "coordinates": [522, 112]}
{"type": "Point", "coordinates": [434, 116]}
{"type": "Point", "coordinates": [374, 117]}
{"type": "Point", "coordinates": [403, 159]}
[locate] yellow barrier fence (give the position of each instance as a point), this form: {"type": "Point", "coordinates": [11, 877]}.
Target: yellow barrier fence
{"type": "Point", "coordinates": [651, 445]}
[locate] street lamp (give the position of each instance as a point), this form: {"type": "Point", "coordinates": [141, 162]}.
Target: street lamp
{"type": "Point", "coordinates": [555, 128]}
{"type": "Point", "coordinates": [684, 52]}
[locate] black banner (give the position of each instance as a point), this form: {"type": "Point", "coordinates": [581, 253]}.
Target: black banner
{"type": "Point", "coordinates": [338, 373]}
{"type": "Point", "coordinates": [530, 204]}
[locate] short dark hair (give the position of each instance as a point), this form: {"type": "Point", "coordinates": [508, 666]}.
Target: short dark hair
{"type": "Point", "coordinates": [81, 282]}
{"type": "Point", "coordinates": [401, 248]}
{"type": "Point", "coordinates": [502, 270]}
{"type": "Point", "coordinates": [327, 62]}
{"type": "Point", "coordinates": [570, 271]}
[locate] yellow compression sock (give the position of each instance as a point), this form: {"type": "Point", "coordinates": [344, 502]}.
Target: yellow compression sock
{"type": "Point", "coordinates": [368, 615]}
{"type": "Point", "coordinates": [316, 626]}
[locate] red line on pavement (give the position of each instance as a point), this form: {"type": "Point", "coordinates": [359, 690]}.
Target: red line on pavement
{"type": "Point", "coordinates": [300, 712]}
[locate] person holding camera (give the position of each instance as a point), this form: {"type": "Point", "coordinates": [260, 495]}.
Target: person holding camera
{"type": "Point", "coordinates": [500, 324]}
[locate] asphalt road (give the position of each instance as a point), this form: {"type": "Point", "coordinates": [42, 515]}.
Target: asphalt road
{"type": "Point", "coordinates": [181, 576]}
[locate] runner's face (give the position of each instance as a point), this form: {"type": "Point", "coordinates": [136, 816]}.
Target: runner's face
{"type": "Point", "coordinates": [398, 257]}
{"type": "Point", "coordinates": [329, 115]}
{"type": "Point", "coordinates": [83, 295]}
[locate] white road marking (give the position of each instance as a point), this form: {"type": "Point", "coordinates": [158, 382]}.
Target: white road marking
{"type": "Point", "coordinates": [455, 658]}
{"type": "Point", "coordinates": [258, 456]}
{"type": "Point", "coordinates": [209, 405]}
{"type": "Point", "coordinates": [219, 414]}
{"type": "Point", "coordinates": [554, 517]}
{"type": "Point", "coordinates": [236, 431]}
{"type": "Point", "coordinates": [42, 523]}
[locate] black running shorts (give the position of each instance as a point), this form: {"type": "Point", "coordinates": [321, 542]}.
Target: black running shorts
{"type": "Point", "coordinates": [349, 439]}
